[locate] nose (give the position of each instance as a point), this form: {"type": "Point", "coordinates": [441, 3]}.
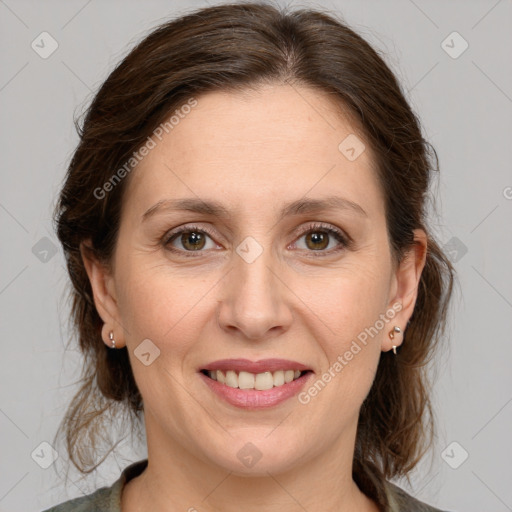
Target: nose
{"type": "Point", "coordinates": [255, 300]}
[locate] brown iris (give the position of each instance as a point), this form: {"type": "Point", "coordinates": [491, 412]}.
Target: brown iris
{"type": "Point", "coordinates": [318, 238]}
{"type": "Point", "coordinates": [196, 239]}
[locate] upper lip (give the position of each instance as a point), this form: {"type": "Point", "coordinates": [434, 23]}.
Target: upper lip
{"type": "Point", "coordinates": [263, 365]}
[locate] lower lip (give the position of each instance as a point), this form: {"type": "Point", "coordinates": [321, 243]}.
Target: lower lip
{"type": "Point", "coordinates": [254, 399]}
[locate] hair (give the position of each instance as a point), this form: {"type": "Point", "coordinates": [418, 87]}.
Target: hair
{"type": "Point", "coordinates": [235, 47]}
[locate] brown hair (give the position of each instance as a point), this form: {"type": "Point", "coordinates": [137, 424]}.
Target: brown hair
{"type": "Point", "coordinates": [235, 47]}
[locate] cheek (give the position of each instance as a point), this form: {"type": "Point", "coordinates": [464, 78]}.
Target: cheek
{"type": "Point", "coordinates": [352, 345]}
{"type": "Point", "coordinates": [350, 298]}
{"type": "Point", "coordinates": [349, 313]}
{"type": "Point", "coordinates": [158, 304]}
{"type": "Point", "coordinates": [169, 311]}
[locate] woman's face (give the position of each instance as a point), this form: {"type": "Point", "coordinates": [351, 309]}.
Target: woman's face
{"type": "Point", "coordinates": [260, 281]}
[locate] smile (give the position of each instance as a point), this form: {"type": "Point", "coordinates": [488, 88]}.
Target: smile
{"type": "Point", "coordinates": [247, 380]}
{"type": "Point", "coordinates": [255, 391]}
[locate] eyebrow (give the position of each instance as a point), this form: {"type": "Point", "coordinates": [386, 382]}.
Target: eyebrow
{"type": "Point", "coordinates": [216, 209]}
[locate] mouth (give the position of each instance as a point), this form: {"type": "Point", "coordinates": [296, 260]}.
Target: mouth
{"type": "Point", "coordinates": [255, 392]}
{"type": "Point", "coordinates": [255, 385]}
{"type": "Point", "coordinates": [251, 381]}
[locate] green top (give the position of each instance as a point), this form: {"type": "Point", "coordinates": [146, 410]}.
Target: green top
{"type": "Point", "coordinates": [108, 499]}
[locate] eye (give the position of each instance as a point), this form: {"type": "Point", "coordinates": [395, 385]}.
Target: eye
{"type": "Point", "coordinates": [192, 239]}
{"type": "Point", "coordinates": [318, 237]}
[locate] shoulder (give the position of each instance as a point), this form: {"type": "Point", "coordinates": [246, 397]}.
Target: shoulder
{"type": "Point", "coordinates": [105, 499]}
{"type": "Point", "coordinates": [401, 501]}
{"type": "Point", "coordinates": [98, 501]}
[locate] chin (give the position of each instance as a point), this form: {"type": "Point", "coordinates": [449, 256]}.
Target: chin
{"type": "Point", "coordinates": [259, 455]}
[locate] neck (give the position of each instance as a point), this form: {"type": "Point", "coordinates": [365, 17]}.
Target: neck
{"type": "Point", "coordinates": [178, 479]}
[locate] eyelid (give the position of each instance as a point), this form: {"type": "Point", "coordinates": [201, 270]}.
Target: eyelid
{"type": "Point", "coordinates": [340, 235]}
{"type": "Point", "coordinates": [323, 226]}
{"type": "Point", "coordinates": [184, 229]}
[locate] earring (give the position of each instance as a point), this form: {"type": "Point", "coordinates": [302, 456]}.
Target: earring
{"type": "Point", "coordinates": [392, 335]}
{"type": "Point", "coordinates": [111, 337]}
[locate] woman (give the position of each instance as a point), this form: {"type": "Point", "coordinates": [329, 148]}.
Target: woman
{"type": "Point", "coordinates": [245, 230]}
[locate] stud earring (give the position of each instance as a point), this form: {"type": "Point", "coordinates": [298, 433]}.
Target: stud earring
{"type": "Point", "coordinates": [111, 337]}
{"type": "Point", "coordinates": [397, 330]}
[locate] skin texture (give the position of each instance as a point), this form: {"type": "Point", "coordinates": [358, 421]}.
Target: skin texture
{"type": "Point", "coordinates": [253, 152]}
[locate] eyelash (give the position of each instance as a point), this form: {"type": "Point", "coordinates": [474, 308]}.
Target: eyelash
{"type": "Point", "coordinates": [345, 241]}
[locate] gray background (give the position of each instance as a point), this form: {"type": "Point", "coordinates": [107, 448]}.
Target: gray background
{"type": "Point", "coordinates": [465, 104]}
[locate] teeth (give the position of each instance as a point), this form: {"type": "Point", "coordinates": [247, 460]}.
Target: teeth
{"type": "Point", "coordinates": [260, 381]}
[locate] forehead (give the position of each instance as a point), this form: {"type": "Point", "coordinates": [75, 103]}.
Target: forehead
{"type": "Point", "coordinates": [276, 143]}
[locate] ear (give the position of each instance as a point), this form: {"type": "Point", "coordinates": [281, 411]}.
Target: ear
{"type": "Point", "coordinates": [404, 288]}
{"type": "Point", "coordinates": [104, 294]}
